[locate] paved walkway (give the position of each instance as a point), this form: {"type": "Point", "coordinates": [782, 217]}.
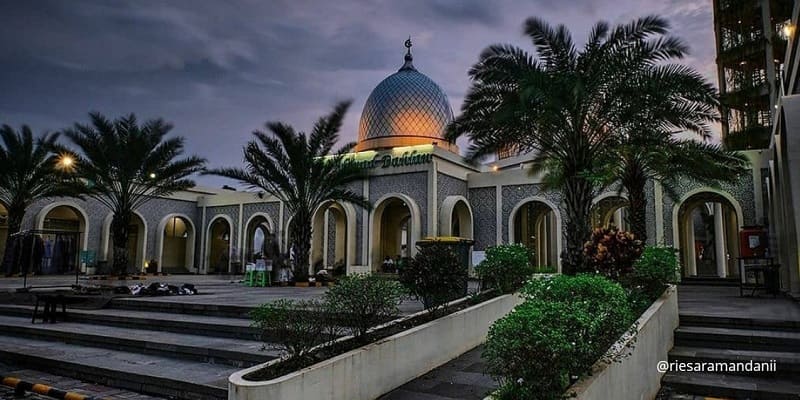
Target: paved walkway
{"type": "Point", "coordinates": [60, 382]}
{"type": "Point", "coordinates": [725, 302]}
{"type": "Point", "coordinates": [212, 289]}
{"type": "Point", "coordinates": [463, 378]}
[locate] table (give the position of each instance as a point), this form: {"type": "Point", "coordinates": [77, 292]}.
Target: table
{"type": "Point", "coordinates": [51, 302]}
{"type": "Point", "coordinates": [764, 273]}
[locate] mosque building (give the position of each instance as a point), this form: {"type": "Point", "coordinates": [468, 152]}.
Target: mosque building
{"type": "Point", "coordinates": [419, 187]}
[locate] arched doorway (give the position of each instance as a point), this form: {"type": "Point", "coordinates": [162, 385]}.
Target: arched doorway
{"type": "Point", "coordinates": [137, 242]}
{"type": "Point", "coordinates": [177, 244]}
{"type": "Point", "coordinates": [395, 230]}
{"type": "Point", "coordinates": [218, 245]}
{"type": "Point", "coordinates": [3, 231]}
{"type": "Point", "coordinates": [260, 239]}
{"type": "Point", "coordinates": [330, 241]}
{"type": "Point", "coordinates": [611, 211]}
{"type": "Point", "coordinates": [456, 218]}
{"type": "Point", "coordinates": [536, 225]}
{"type": "Point", "coordinates": [65, 235]}
{"type": "Point", "coordinates": [707, 228]}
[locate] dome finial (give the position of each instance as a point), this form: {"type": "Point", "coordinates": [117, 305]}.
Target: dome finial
{"type": "Point", "coordinates": [408, 58]}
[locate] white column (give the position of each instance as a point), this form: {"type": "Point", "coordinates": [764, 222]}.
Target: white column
{"type": "Point", "coordinates": [325, 244]}
{"type": "Point", "coordinates": [240, 237]}
{"type": "Point", "coordinates": [541, 244]}
{"type": "Point", "coordinates": [691, 256]}
{"type": "Point", "coordinates": [366, 255]}
{"type": "Point", "coordinates": [499, 216]}
{"type": "Point", "coordinates": [719, 242]}
{"type": "Point", "coordinates": [659, 203]}
{"type": "Point", "coordinates": [618, 218]}
{"type": "Point", "coordinates": [203, 265]}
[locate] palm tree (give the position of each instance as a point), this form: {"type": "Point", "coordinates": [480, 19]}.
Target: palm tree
{"type": "Point", "coordinates": [31, 170]}
{"type": "Point", "coordinates": [565, 106]}
{"type": "Point", "coordinates": [126, 165]}
{"type": "Point", "coordinates": [660, 156]}
{"type": "Point", "coordinates": [302, 172]}
{"type": "Point", "coordinates": [670, 98]}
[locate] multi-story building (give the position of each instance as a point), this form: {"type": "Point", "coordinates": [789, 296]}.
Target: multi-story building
{"type": "Point", "coordinates": [751, 46]}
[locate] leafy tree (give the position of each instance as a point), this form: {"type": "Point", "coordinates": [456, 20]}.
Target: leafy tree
{"type": "Point", "coordinates": [125, 165]}
{"type": "Point", "coordinates": [32, 169]}
{"type": "Point", "coordinates": [302, 172]}
{"type": "Point", "coordinates": [566, 106]}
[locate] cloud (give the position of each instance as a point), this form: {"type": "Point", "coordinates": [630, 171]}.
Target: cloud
{"type": "Point", "coordinates": [219, 70]}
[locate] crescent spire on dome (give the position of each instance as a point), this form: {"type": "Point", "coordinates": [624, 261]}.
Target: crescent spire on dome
{"type": "Point", "coordinates": [408, 65]}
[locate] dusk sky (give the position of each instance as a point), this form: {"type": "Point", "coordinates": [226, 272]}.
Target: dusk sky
{"type": "Point", "coordinates": [218, 70]}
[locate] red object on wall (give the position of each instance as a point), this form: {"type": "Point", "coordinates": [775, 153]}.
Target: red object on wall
{"type": "Point", "coordinates": [753, 242]}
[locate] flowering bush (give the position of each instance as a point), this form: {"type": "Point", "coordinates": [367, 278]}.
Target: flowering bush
{"type": "Point", "coordinates": [611, 252]}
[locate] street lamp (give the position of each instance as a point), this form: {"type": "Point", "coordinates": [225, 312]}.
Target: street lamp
{"type": "Point", "coordinates": [787, 30]}
{"type": "Point", "coordinates": [65, 162]}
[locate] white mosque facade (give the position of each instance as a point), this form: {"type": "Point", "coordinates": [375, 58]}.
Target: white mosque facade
{"type": "Point", "coordinates": [420, 187]}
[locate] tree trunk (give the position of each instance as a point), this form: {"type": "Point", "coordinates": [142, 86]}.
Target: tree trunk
{"type": "Point", "coordinates": [120, 230]}
{"type": "Point", "coordinates": [634, 182]}
{"type": "Point", "coordinates": [578, 201]}
{"type": "Point", "coordinates": [300, 234]}
{"type": "Point", "coordinates": [15, 216]}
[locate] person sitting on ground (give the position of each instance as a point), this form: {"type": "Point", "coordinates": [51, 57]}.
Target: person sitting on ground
{"type": "Point", "coordinates": [388, 264]}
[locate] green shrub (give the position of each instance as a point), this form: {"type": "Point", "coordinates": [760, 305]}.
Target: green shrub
{"type": "Point", "coordinates": [577, 288]}
{"type": "Point", "coordinates": [506, 267]}
{"type": "Point", "coordinates": [653, 271]}
{"type": "Point", "coordinates": [435, 275]}
{"type": "Point", "coordinates": [611, 252]}
{"type": "Point", "coordinates": [295, 326]}
{"type": "Point", "coordinates": [565, 325]}
{"type": "Point", "coordinates": [363, 301]}
{"type": "Point", "coordinates": [545, 269]}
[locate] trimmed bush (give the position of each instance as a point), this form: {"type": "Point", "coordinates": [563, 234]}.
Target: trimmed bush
{"type": "Point", "coordinates": [363, 301]}
{"type": "Point", "coordinates": [295, 326]}
{"type": "Point", "coordinates": [435, 276]}
{"type": "Point", "coordinates": [653, 271]}
{"type": "Point", "coordinates": [566, 324]}
{"type": "Point", "coordinates": [506, 267]}
{"type": "Point", "coordinates": [611, 252]}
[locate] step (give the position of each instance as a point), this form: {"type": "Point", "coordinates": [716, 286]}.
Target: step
{"type": "Point", "coordinates": [787, 364]}
{"type": "Point", "coordinates": [236, 352]}
{"type": "Point", "coordinates": [710, 281]}
{"type": "Point", "coordinates": [159, 376]}
{"type": "Point", "coordinates": [738, 387]}
{"type": "Point", "coordinates": [173, 307]}
{"type": "Point", "coordinates": [740, 339]}
{"type": "Point", "coordinates": [237, 328]}
{"type": "Point", "coordinates": [698, 319]}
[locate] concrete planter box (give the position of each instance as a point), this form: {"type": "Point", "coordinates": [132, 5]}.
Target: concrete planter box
{"type": "Point", "coordinates": [636, 377]}
{"type": "Point", "coordinates": [370, 371]}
